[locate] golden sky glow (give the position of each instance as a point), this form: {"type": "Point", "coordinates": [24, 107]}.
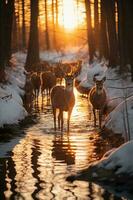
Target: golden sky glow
{"type": "Point", "coordinates": [69, 15]}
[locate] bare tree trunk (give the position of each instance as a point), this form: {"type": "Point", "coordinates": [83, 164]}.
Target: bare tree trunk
{"type": "Point", "coordinates": [112, 36]}
{"type": "Point", "coordinates": [6, 21]}
{"type": "Point", "coordinates": [33, 46]}
{"type": "Point", "coordinates": [53, 24]}
{"type": "Point", "coordinates": [57, 23]}
{"type": "Point", "coordinates": [104, 51]}
{"type": "Point", "coordinates": [96, 24]}
{"type": "Point", "coordinates": [14, 34]}
{"type": "Point", "coordinates": [46, 27]}
{"type": "Point", "coordinates": [90, 30]}
{"type": "Point", "coordinates": [121, 33]}
{"type": "Point", "coordinates": [19, 32]}
{"type": "Point", "coordinates": [129, 33]}
{"type": "Point", "coordinates": [23, 26]}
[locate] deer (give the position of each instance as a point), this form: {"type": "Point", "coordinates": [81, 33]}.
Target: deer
{"type": "Point", "coordinates": [36, 82]}
{"type": "Point", "coordinates": [28, 97]}
{"type": "Point", "coordinates": [63, 99]}
{"type": "Point", "coordinates": [98, 98]}
{"type": "Point", "coordinates": [59, 73]}
{"type": "Point", "coordinates": [48, 80]}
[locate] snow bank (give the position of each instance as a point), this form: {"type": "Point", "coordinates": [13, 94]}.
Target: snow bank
{"type": "Point", "coordinates": [11, 111]}
{"type": "Point", "coordinates": [120, 119]}
{"type": "Point", "coordinates": [120, 101]}
{"type": "Point", "coordinates": [11, 104]}
{"type": "Point", "coordinates": [120, 161]}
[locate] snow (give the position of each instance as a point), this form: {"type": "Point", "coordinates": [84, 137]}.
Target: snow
{"type": "Point", "coordinates": [119, 160]}
{"type": "Point", "coordinates": [118, 90]}
{"type": "Point", "coordinates": [11, 103]}
{"type": "Point", "coordinates": [95, 68]}
{"type": "Point", "coordinates": [65, 55]}
{"type": "Point", "coordinates": [119, 94]}
{"type": "Point", "coordinates": [120, 101]}
{"type": "Point", "coordinates": [120, 119]}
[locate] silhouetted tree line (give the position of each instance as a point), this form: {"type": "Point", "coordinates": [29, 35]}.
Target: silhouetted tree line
{"type": "Point", "coordinates": [6, 19]}
{"type": "Point", "coordinates": [110, 31]}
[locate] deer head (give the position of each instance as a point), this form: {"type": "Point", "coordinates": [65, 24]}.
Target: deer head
{"type": "Point", "coordinates": [99, 83]}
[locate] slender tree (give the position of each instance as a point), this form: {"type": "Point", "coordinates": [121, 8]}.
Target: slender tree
{"type": "Point", "coordinates": [103, 42]}
{"type": "Point", "coordinates": [112, 35]}
{"type": "Point", "coordinates": [6, 21]}
{"type": "Point", "coordinates": [46, 26]}
{"type": "Point", "coordinates": [122, 33]}
{"type": "Point", "coordinates": [90, 33]}
{"type": "Point", "coordinates": [14, 34]}
{"type": "Point", "coordinates": [96, 24]}
{"type": "Point", "coordinates": [129, 33]}
{"type": "Point", "coordinates": [53, 23]}
{"type": "Point", "coordinates": [33, 46]}
{"type": "Point", "coordinates": [23, 25]}
{"type": "Point", "coordinates": [57, 22]}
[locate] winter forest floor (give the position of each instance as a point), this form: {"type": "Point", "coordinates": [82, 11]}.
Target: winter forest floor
{"type": "Point", "coordinates": [15, 120]}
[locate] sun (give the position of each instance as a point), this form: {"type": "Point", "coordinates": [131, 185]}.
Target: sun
{"type": "Point", "coordinates": [69, 15]}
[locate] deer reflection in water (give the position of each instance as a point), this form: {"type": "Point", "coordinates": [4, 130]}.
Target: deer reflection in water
{"type": "Point", "coordinates": [62, 149]}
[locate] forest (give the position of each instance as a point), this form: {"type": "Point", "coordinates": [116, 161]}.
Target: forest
{"type": "Point", "coordinates": [35, 25]}
{"type": "Point", "coordinates": [66, 99]}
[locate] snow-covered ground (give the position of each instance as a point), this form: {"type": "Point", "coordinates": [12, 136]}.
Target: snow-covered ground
{"type": "Point", "coordinates": [118, 161]}
{"type": "Point", "coordinates": [119, 120]}
{"type": "Point", "coordinates": [119, 93]}
{"type": "Point", "coordinates": [11, 93]}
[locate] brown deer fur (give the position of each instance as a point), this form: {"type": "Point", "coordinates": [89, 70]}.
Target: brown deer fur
{"type": "Point", "coordinates": [48, 80]}
{"type": "Point", "coordinates": [98, 99]}
{"type": "Point", "coordinates": [36, 83]}
{"type": "Point", "coordinates": [63, 99]}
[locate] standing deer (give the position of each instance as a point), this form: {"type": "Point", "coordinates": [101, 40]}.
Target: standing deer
{"type": "Point", "coordinates": [48, 80]}
{"type": "Point", "coordinates": [63, 99]}
{"type": "Point", "coordinates": [59, 73]}
{"type": "Point", "coordinates": [28, 89]}
{"type": "Point", "coordinates": [98, 98]}
{"type": "Point", "coordinates": [36, 82]}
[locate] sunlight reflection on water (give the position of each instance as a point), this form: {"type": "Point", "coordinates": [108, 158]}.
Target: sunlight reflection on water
{"type": "Point", "coordinates": [42, 160]}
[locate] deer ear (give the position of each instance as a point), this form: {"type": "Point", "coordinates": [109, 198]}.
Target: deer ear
{"type": "Point", "coordinates": [94, 79]}
{"type": "Point", "coordinates": [104, 78]}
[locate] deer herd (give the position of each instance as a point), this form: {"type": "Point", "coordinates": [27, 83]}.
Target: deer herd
{"type": "Point", "coordinates": [48, 80]}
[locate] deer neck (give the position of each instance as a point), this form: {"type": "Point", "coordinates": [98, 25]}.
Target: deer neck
{"type": "Point", "coordinates": [69, 86]}
{"type": "Point", "coordinates": [99, 91]}
{"type": "Point", "coordinates": [69, 89]}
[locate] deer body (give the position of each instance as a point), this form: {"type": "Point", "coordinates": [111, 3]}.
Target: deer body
{"type": "Point", "coordinates": [48, 81]}
{"type": "Point", "coordinates": [98, 99]}
{"type": "Point", "coordinates": [59, 73]}
{"type": "Point", "coordinates": [28, 90]}
{"type": "Point", "coordinates": [63, 99]}
{"type": "Point", "coordinates": [36, 82]}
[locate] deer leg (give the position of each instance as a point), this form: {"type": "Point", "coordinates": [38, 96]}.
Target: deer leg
{"type": "Point", "coordinates": [100, 118]}
{"type": "Point", "coordinates": [60, 81]}
{"type": "Point", "coordinates": [54, 113]}
{"type": "Point", "coordinates": [49, 91]}
{"type": "Point", "coordinates": [42, 92]}
{"type": "Point", "coordinates": [36, 94]}
{"type": "Point", "coordinates": [59, 120]}
{"type": "Point", "coordinates": [94, 113]}
{"type": "Point", "coordinates": [68, 121]}
{"type": "Point", "coordinates": [62, 121]}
